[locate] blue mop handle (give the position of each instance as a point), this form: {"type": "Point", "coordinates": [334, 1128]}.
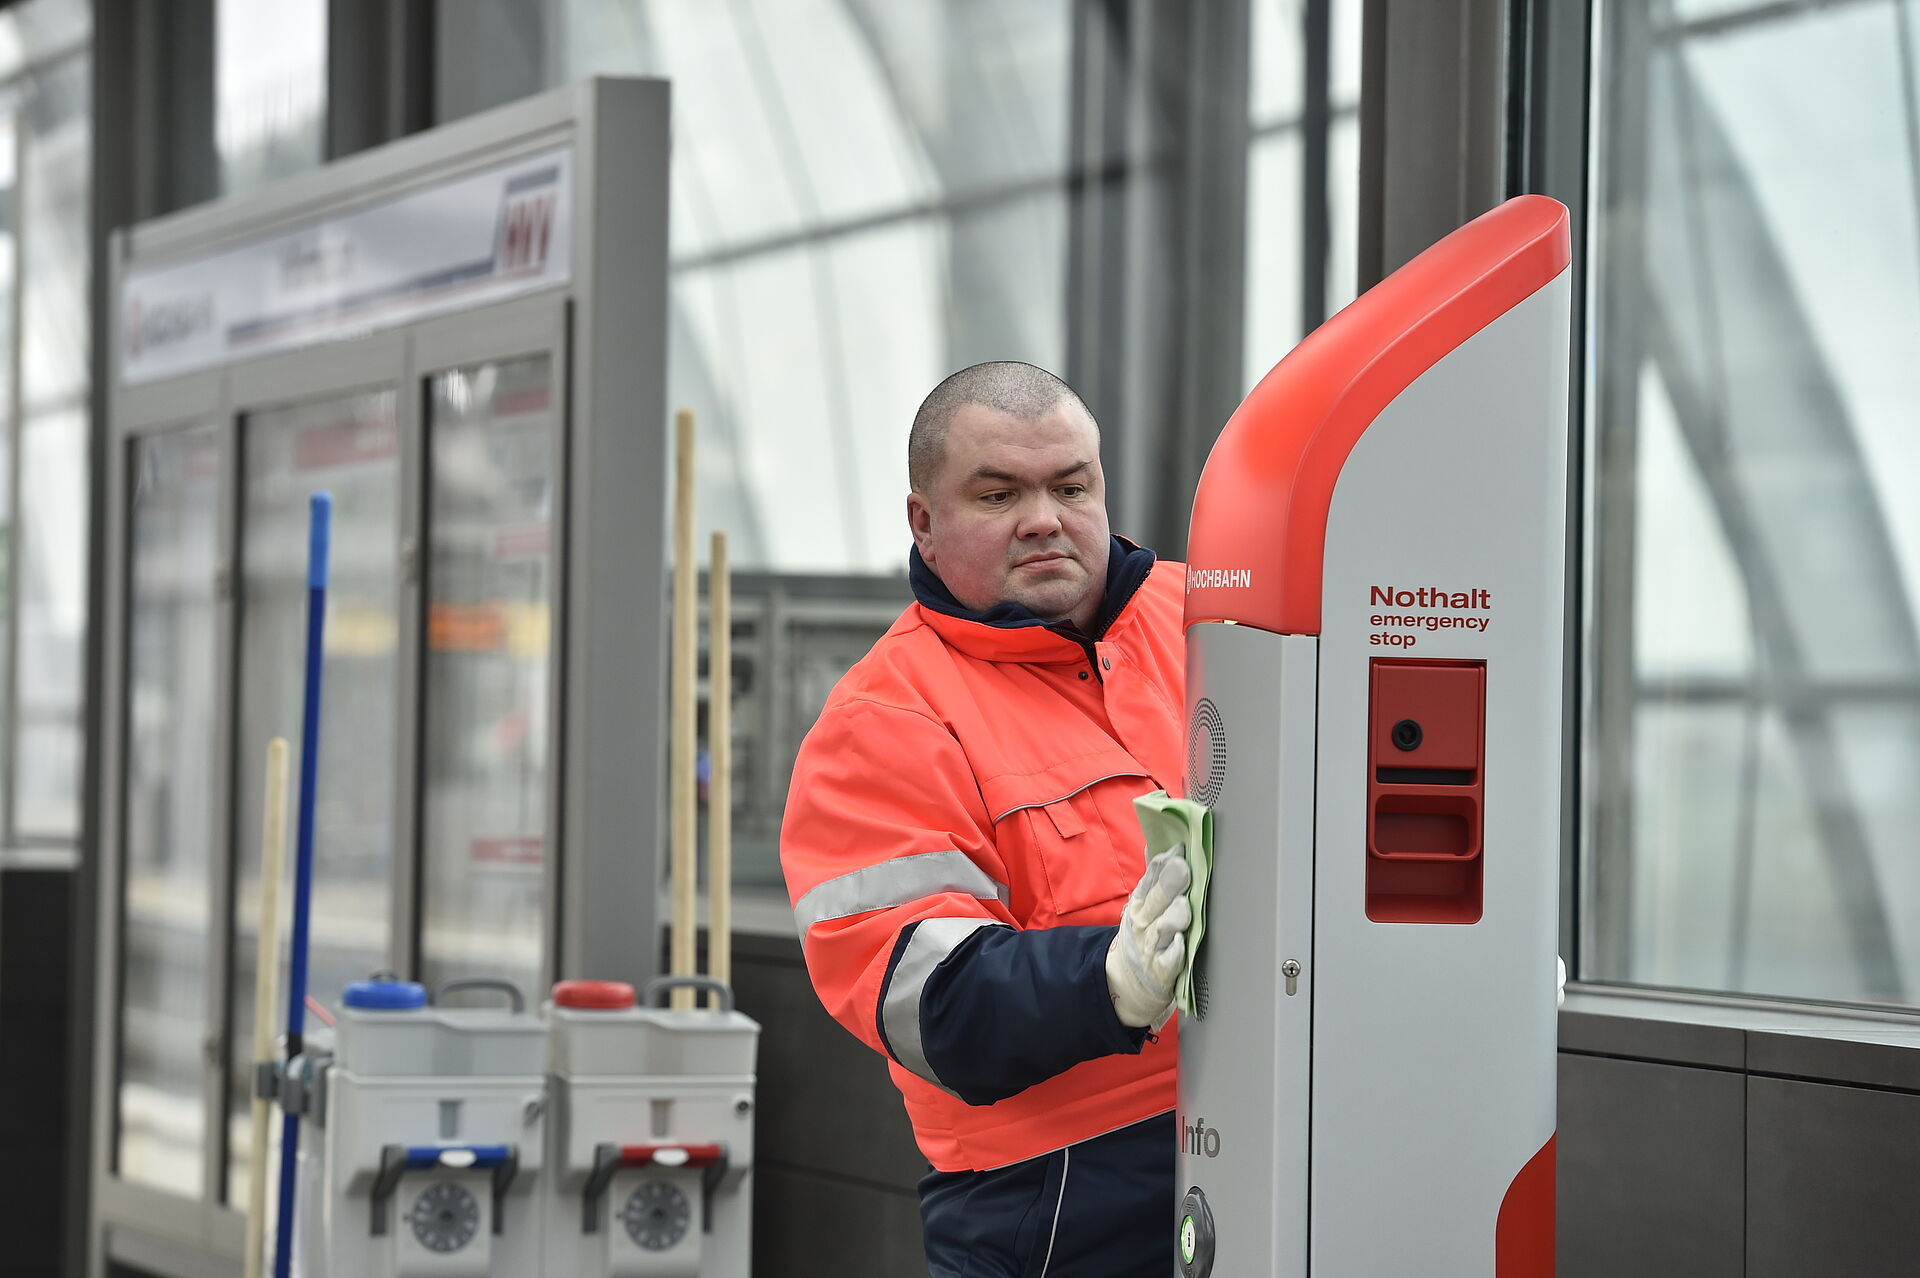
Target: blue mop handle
{"type": "Point", "coordinates": [318, 536]}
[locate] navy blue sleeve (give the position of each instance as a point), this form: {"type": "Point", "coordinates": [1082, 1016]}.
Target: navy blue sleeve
{"type": "Point", "coordinates": [1008, 1009]}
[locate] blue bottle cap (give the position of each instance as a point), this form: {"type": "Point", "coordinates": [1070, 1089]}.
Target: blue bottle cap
{"type": "Point", "coordinates": [385, 996]}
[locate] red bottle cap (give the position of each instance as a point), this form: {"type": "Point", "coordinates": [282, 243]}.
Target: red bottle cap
{"type": "Point", "coordinates": [598, 996]}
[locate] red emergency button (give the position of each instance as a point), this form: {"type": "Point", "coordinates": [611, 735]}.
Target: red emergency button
{"type": "Point", "coordinates": [596, 996]}
{"type": "Point", "coordinates": [1426, 718]}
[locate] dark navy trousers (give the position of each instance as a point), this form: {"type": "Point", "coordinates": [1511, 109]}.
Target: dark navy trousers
{"type": "Point", "coordinates": [1101, 1209]}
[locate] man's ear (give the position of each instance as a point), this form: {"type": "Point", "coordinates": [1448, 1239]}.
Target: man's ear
{"type": "Point", "coordinates": [920, 523]}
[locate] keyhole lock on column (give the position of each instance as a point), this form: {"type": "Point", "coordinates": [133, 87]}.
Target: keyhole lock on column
{"type": "Point", "coordinates": [1407, 734]}
{"type": "Point", "coordinates": [1291, 970]}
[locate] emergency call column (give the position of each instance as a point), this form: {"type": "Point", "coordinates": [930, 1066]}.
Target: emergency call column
{"type": "Point", "coordinates": [1375, 629]}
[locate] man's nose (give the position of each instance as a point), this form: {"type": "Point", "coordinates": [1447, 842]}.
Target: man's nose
{"type": "Point", "coordinates": [1039, 517]}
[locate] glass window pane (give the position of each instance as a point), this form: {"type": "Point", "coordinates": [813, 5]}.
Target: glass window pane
{"type": "Point", "coordinates": [53, 624]}
{"type": "Point", "coordinates": [32, 30]}
{"type": "Point", "coordinates": [490, 52]}
{"type": "Point", "coordinates": [9, 232]}
{"type": "Point", "coordinates": [1344, 80]}
{"type": "Point", "coordinates": [1757, 270]}
{"type": "Point", "coordinates": [1276, 251]}
{"type": "Point", "coordinates": [491, 439]}
{"type": "Point", "coordinates": [810, 433]}
{"type": "Point", "coordinates": [1278, 68]}
{"type": "Point", "coordinates": [1343, 207]}
{"type": "Point", "coordinates": [9, 221]}
{"type": "Point", "coordinates": [54, 334]}
{"type": "Point", "coordinates": [52, 519]}
{"type": "Point", "coordinates": [171, 638]}
{"type": "Point", "coordinates": [1273, 254]}
{"type": "Point", "coordinates": [779, 156]}
{"type": "Point", "coordinates": [270, 89]}
{"type": "Point", "coordinates": [350, 448]}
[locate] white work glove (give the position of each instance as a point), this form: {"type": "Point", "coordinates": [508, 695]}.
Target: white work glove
{"type": "Point", "coordinates": [1149, 950]}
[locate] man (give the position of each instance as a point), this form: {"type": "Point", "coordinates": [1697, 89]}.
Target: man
{"type": "Point", "coordinates": [960, 845]}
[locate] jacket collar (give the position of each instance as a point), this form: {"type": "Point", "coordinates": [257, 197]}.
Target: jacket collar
{"type": "Point", "coordinates": [1010, 631]}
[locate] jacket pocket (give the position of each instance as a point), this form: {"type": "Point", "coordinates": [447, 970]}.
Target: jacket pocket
{"type": "Point", "coordinates": [1076, 843]}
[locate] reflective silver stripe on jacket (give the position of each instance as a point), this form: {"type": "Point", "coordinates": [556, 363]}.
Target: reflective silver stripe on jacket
{"type": "Point", "coordinates": [901, 881]}
{"type": "Point", "coordinates": [931, 942]}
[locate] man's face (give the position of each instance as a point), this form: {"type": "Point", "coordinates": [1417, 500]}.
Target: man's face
{"type": "Point", "coordinates": [1017, 513]}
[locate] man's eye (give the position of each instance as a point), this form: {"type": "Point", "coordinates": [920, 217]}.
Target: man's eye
{"type": "Point", "coordinates": [996, 499]}
{"type": "Point", "coordinates": [1074, 490]}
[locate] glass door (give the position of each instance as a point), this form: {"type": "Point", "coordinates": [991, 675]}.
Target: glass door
{"type": "Point", "coordinates": [173, 619]}
{"type": "Point", "coordinates": [348, 445]}
{"type": "Point", "coordinates": [493, 432]}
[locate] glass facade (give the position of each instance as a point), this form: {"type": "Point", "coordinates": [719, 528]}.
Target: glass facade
{"type": "Point", "coordinates": [350, 447]}
{"type": "Point", "coordinates": [865, 197]}
{"type": "Point", "coordinates": [493, 440]}
{"type": "Point", "coordinates": [1756, 542]}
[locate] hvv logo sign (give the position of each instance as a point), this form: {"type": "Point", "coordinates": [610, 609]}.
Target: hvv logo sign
{"type": "Point", "coordinates": [526, 222]}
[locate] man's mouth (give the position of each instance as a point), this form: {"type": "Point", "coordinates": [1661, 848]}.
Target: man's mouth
{"type": "Point", "coordinates": [1050, 557]}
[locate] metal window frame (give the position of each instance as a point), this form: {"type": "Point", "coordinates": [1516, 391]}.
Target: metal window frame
{"type": "Point", "coordinates": [1608, 529]}
{"type": "Point", "coordinates": [606, 330]}
{"type": "Point", "coordinates": [1549, 150]}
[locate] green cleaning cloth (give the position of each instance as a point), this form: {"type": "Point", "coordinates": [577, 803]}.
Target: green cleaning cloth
{"type": "Point", "coordinates": [1166, 821]}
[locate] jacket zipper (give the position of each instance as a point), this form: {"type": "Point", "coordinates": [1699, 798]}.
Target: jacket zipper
{"type": "Point", "coordinates": [1086, 644]}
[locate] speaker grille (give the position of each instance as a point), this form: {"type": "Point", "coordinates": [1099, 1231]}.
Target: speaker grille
{"type": "Point", "coordinates": [1206, 753]}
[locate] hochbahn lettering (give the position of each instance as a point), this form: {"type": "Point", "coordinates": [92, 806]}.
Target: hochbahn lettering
{"type": "Point", "coordinates": [1219, 578]}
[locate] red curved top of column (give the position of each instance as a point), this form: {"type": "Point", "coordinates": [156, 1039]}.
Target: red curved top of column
{"type": "Point", "coordinates": [1258, 537]}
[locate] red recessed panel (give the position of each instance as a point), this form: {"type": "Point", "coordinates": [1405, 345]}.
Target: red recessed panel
{"type": "Point", "coordinates": [1426, 748]}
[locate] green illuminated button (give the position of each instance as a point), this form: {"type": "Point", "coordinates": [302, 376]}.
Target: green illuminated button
{"type": "Point", "coordinates": [1197, 1240]}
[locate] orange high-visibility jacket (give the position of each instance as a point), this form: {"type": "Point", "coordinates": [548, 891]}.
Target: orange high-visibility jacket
{"type": "Point", "coordinates": [959, 841]}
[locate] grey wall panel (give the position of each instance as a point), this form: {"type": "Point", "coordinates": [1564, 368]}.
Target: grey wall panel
{"type": "Point", "coordinates": [1883, 1056]}
{"type": "Point", "coordinates": [807, 1226]}
{"type": "Point", "coordinates": [1833, 1181]}
{"type": "Point", "coordinates": [826, 1102]}
{"type": "Point", "coordinates": [1650, 1169]}
{"type": "Point", "coordinates": [1650, 1039]}
{"type": "Point", "coordinates": [36, 911]}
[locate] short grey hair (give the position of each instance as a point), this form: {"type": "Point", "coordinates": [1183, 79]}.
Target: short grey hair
{"type": "Point", "coordinates": [1006, 386]}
